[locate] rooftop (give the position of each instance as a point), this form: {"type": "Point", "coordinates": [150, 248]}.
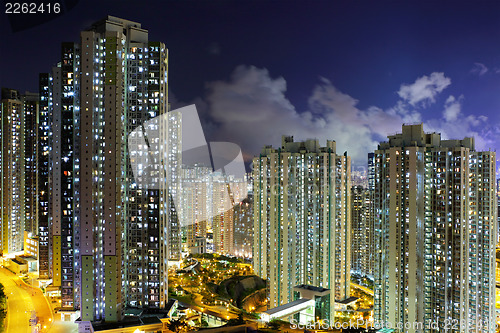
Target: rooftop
{"type": "Point", "coordinates": [287, 306]}
{"type": "Point", "coordinates": [311, 288]}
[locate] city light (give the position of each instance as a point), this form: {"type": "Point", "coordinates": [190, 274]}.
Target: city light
{"type": "Point", "coordinates": [345, 174]}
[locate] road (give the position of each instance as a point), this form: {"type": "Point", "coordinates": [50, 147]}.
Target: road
{"type": "Point", "coordinates": [216, 311]}
{"type": "Point", "coordinates": [22, 300]}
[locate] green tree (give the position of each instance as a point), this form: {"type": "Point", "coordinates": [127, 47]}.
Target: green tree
{"type": "Point", "coordinates": [237, 321]}
{"type": "Point", "coordinates": [274, 324]}
{"type": "Point", "coordinates": [178, 326]}
{"type": "Point", "coordinates": [3, 307]}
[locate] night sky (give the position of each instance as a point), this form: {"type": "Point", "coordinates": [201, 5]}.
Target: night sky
{"type": "Point", "coordinates": [351, 71]}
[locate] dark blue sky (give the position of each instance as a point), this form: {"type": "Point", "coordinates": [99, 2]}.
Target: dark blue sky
{"type": "Point", "coordinates": [329, 69]}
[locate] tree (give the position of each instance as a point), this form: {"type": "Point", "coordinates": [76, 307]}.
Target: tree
{"type": "Point", "coordinates": [237, 321]}
{"type": "Point", "coordinates": [178, 326]}
{"type": "Point", "coordinates": [274, 324]}
{"type": "Point", "coordinates": [204, 322]}
{"type": "Point", "coordinates": [2, 292]}
{"type": "Point", "coordinates": [3, 306]}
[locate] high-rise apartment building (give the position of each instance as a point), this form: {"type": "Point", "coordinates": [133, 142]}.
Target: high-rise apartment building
{"type": "Point", "coordinates": [226, 193]}
{"type": "Point", "coordinates": [370, 216]}
{"type": "Point", "coordinates": [18, 165]}
{"type": "Point", "coordinates": [243, 227]}
{"type": "Point", "coordinates": [498, 210]}
{"type": "Point", "coordinates": [63, 167]}
{"type": "Point", "coordinates": [435, 232]}
{"type": "Point", "coordinates": [44, 269]}
{"type": "Point", "coordinates": [31, 111]}
{"type": "Point", "coordinates": [358, 227]}
{"type": "Point", "coordinates": [302, 227]}
{"type": "Point", "coordinates": [362, 251]}
{"type": "Point", "coordinates": [196, 207]}
{"type": "Point", "coordinates": [171, 164]}
{"type": "Point", "coordinates": [208, 203]}
{"type": "Point", "coordinates": [104, 241]}
{"type": "Point", "coordinates": [361, 240]}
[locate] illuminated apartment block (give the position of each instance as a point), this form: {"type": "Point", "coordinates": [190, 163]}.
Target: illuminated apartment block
{"type": "Point", "coordinates": [126, 77]}
{"type": "Point", "coordinates": [435, 233]}
{"type": "Point", "coordinates": [225, 193]}
{"type": "Point", "coordinates": [105, 237]}
{"type": "Point", "coordinates": [370, 216]}
{"type": "Point", "coordinates": [196, 202]}
{"type": "Point", "coordinates": [360, 240]}
{"type": "Point", "coordinates": [18, 165]}
{"type": "Point", "coordinates": [31, 110]}
{"type": "Point", "coordinates": [43, 177]}
{"type": "Point", "coordinates": [302, 220]}
{"type": "Point", "coordinates": [498, 202]}
{"type": "Point", "coordinates": [208, 200]}
{"type": "Point", "coordinates": [170, 218]}
{"type": "Point", "coordinates": [63, 166]}
{"type": "Point", "coordinates": [243, 227]}
{"type": "Point", "coordinates": [12, 168]}
{"type": "Point", "coordinates": [362, 251]}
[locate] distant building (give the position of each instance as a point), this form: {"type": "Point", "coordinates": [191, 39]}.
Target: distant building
{"type": "Point", "coordinates": [196, 202]}
{"type": "Point", "coordinates": [362, 210]}
{"type": "Point", "coordinates": [302, 227]}
{"type": "Point", "coordinates": [359, 178]}
{"type": "Point", "coordinates": [435, 232]}
{"type": "Point", "coordinates": [208, 207]}
{"type": "Point", "coordinates": [361, 251]}
{"type": "Point", "coordinates": [31, 151]}
{"type": "Point", "coordinates": [243, 227]}
{"type": "Point", "coordinates": [226, 191]}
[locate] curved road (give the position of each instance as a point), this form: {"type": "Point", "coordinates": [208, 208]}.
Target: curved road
{"type": "Point", "coordinates": [365, 289]}
{"type": "Point", "coordinates": [21, 301]}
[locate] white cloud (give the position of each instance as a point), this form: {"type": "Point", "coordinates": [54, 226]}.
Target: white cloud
{"type": "Point", "coordinates": [452, 108]}
{"type": "Point", "coordinates": [479, 69]}
{"type": "Point", "coordinates": [251, 109]}
{"type": "Point", "coordinates": [424, 89]}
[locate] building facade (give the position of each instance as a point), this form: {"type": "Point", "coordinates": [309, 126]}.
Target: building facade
{"type": "Point", "coordinates": [243, 227]}
{"type": "Point", "coordinates": [44, 270]}
{"type": "Point", "coordinates": [227, 191]}
{"type": "Point", "coordinates": [18, 164]}
{"type": "Point", "coordinates": [31, 110]}
{"type": "Point", "coordinates": [435, 232]}
{"type": "Point", "coordinates": [302, 227]}
{"type": "Point", "coordinates": [362, 235]}
{"type": "Point", "coordinates": [498, 210]}
{"type": "Point", "coordinates": [209, 202]}
{"type": "Point", "coordinates": [102, 230]}
{"type": "Point", "coordinates": [196, 203]}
